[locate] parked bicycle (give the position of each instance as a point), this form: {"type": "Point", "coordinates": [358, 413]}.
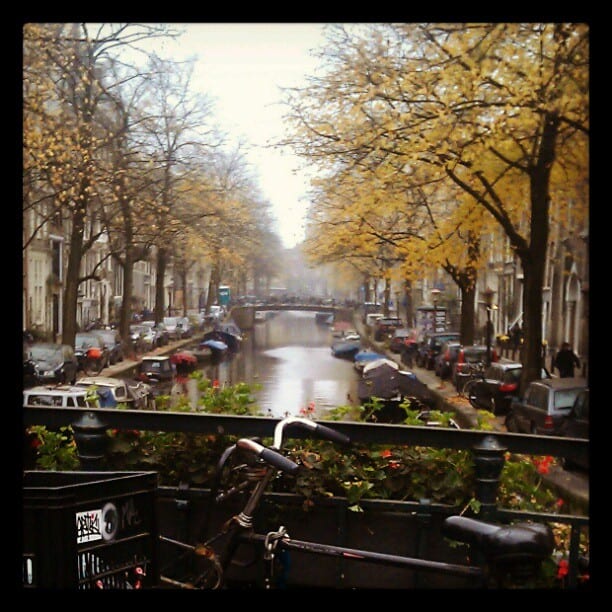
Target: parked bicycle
{"type": "Point", "coordinates": [504, 555]}
{"type": "Point", "coordinates": [470, 373]}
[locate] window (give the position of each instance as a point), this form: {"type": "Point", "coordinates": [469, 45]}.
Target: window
{"type": "Point", "coordinates": [538, 396]}
{"type": "Point", "coordinates": [565, 399]}
{"type": "Point", "coordinates": [581, 407]}
{"type": "Point", "coordinates": [511, 376]}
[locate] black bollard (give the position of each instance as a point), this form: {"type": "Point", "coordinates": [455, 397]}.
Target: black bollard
{"type": "Point", "coordinates": [91, 440]}
{"type": "Point", "coordinates": [488, 464]}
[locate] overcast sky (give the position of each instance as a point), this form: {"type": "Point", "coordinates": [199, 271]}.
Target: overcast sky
{"type": "Point", "coordinates": [242, 66]}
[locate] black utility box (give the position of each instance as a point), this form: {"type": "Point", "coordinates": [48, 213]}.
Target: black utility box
{"type": "Point", "coordinates": [90, 530]}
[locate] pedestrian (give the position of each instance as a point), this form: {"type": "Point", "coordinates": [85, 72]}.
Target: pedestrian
{"type": "Point", "coordinates": [566, 360]}
{"type": "Point", "coordinates": [515, 334]}
{"type": "Point", "coordinates": [409, 352]}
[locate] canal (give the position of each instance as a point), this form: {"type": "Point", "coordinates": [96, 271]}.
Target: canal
{"type": "Point", "coordinates": [289, 357]}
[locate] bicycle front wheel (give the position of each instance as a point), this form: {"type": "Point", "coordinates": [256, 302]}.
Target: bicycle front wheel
{"type": "Point", "coordinates": [468, 392]}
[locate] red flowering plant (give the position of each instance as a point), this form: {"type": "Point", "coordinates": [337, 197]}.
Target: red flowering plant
{"type": "Point", "coordinates": [522, 488]}
{"type": "Point", "coordinates": [50, 450]}
{"type": "Point", "coordinates": [369, 471]}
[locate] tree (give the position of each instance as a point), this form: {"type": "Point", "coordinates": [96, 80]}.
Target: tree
{"type": "Point", "coordinates": [177, 135]}
{"type": "Point", "coordinates": [499, 110]}
{"type": "Point", "coordinates": [65, 135]}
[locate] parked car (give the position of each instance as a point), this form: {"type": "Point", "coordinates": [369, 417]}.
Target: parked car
{"type": "Point", "coordinates": [430, 347]}
{"type": "Point", "coordinates": [385, 326]}
{"type": "Point", "coordinates": [215, 313]}
{"type": "Point", "coordinates": [576, 425]}
{"type": "Point", "coordinates": [544, 405]}
{"type": "Point", "coordinates": [187, 328]}
{"type": "Point", "coordinates": [498, 387]}
{"type": "Point", "coordinates": [92, 354]}
{"type": "Point", "coordinates": [155, 368]}
{"type": "Point", "coordinates": [372, 317]}
{"type": "Point", "coordinates": [370, 308]}
{"type": "Point", "coordinates": [161, 337]}
{"type": "Point", "coordinates": [29, 369]}
{"type": "Point", "coordinates": [113, 391]}
{"type": "Point", "coordinates": [59, 396]}
{"type": "Point", "coordinates": [400, 339]}
{"type": "Point", "coordinates": [114, 343]}
{"type": "Point", "coordinates": [470, 359]}
{"type": "Point", "coordinates": [446, 358]}
{"type": "Point", "coordinates": [142, 337]}
{"type": "Point", "coordinates": [173, 328]}
{"type": "Point", "coordinates": [51, 363]}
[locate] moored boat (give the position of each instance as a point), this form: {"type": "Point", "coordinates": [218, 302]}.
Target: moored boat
{"type": "Point", "coordinates": [345, 349]}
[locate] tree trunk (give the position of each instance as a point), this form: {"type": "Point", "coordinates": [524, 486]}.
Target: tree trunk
{"type": "Point", "coordinates": [533, 259]}
{"type": "Point", "coordinates": [409, 304]}
{"type": "Point", "coordinates": [387, 297]}
{"type": "Point", "coordinates": [73, 271]}
{"type": "Point", "coordinates": [213, 287]}
{"type": "Point", "coordinates": [160, 277]}
{"type": "Point", "coordinates": [468, 296]}
{"type": "Point", "coordinates": [126, 306]}
{"type": "Point", "coordinates": [184, 281]}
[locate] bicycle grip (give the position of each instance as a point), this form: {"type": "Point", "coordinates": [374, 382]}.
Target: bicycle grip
{"type": "Point", "coordinates": [331, 434]}
{"type": "Point", "coordinates": [279, 461]}
{"type": "Point", "coordinates": [270, 456]}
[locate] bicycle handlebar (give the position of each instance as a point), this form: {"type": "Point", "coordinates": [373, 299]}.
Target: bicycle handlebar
{"type": "Point", "coordinates": [269, 455]}
{"type": "Point", "coordinates": [327, 433]}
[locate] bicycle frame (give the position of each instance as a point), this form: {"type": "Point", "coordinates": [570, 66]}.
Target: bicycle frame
{"type": "Point", "coordinates": [503, 551]}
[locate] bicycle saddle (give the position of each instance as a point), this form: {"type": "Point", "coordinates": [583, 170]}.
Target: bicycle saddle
{"type": "Point", "coordinates": [520, 540]}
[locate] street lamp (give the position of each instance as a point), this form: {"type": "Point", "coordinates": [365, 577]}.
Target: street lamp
{"type": "Point", "coordinates": [488, 294]}
{"type": "Point", "coordinates": [435, 296]}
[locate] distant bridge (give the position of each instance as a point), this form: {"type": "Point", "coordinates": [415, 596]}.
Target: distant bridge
{"type": "Point", "coordinates": [244, 316]}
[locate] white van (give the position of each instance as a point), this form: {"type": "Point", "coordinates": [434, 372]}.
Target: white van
{"type": "Point", "coordinates": [59, 396]}
{"type": "Point", "coordinates": [372, 317]}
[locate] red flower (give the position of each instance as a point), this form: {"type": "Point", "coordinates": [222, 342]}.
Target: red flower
{"type": "Point", "coordinates": [543, 465]}
{"type": "Point", "coordinates": [308, 410]}
{"type": "Point", "coordinates": [215, 384]}
{"type": "Point", "coordinates": [559, 503]}
{"type": "Point", "coordinates": [386, 453]}
{"type": "Point", "coordinates": [394, 465]}
{"type": "Point", "coordinates": [35, 443]}
{"type": "Point", "coordinates": [563, 569]}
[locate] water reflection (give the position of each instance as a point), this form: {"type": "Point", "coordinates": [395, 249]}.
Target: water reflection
{"type": "Point", "coordinates": [289, 356]}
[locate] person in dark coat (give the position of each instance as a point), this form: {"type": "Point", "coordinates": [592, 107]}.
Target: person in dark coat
{"type": "Point", "coordinates": [566, 360]}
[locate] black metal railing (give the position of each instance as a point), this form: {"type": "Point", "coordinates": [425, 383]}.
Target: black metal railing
{"type": "Point", "coordinates": [488, 448]}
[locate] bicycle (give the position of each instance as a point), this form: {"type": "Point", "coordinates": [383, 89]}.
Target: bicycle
{"type": "Point", "coordinates": [91, 361]}
{"type": "Point", "coordinates": [503, 555]}
{"type": "Point", "coordinates": [470, 374]}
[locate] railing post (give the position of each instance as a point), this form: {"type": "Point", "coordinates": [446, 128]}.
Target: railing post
{"type": "Point", "coordinates": [91, 440]}
{"type": "Point", "coordinates": [488, 462]}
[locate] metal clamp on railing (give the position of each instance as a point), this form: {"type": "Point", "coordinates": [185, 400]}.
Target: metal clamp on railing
{"type": "Point", "coordinates": [270, 544]}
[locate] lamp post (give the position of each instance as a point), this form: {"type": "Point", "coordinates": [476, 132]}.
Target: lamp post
{"type": "Point", "coordinates": [435, 296]}
{"type": "Point", "coordinates": [488, 294]}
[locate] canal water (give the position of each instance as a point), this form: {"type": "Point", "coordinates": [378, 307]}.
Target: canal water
{"type": "Point", "coordinates": [289, 356]}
